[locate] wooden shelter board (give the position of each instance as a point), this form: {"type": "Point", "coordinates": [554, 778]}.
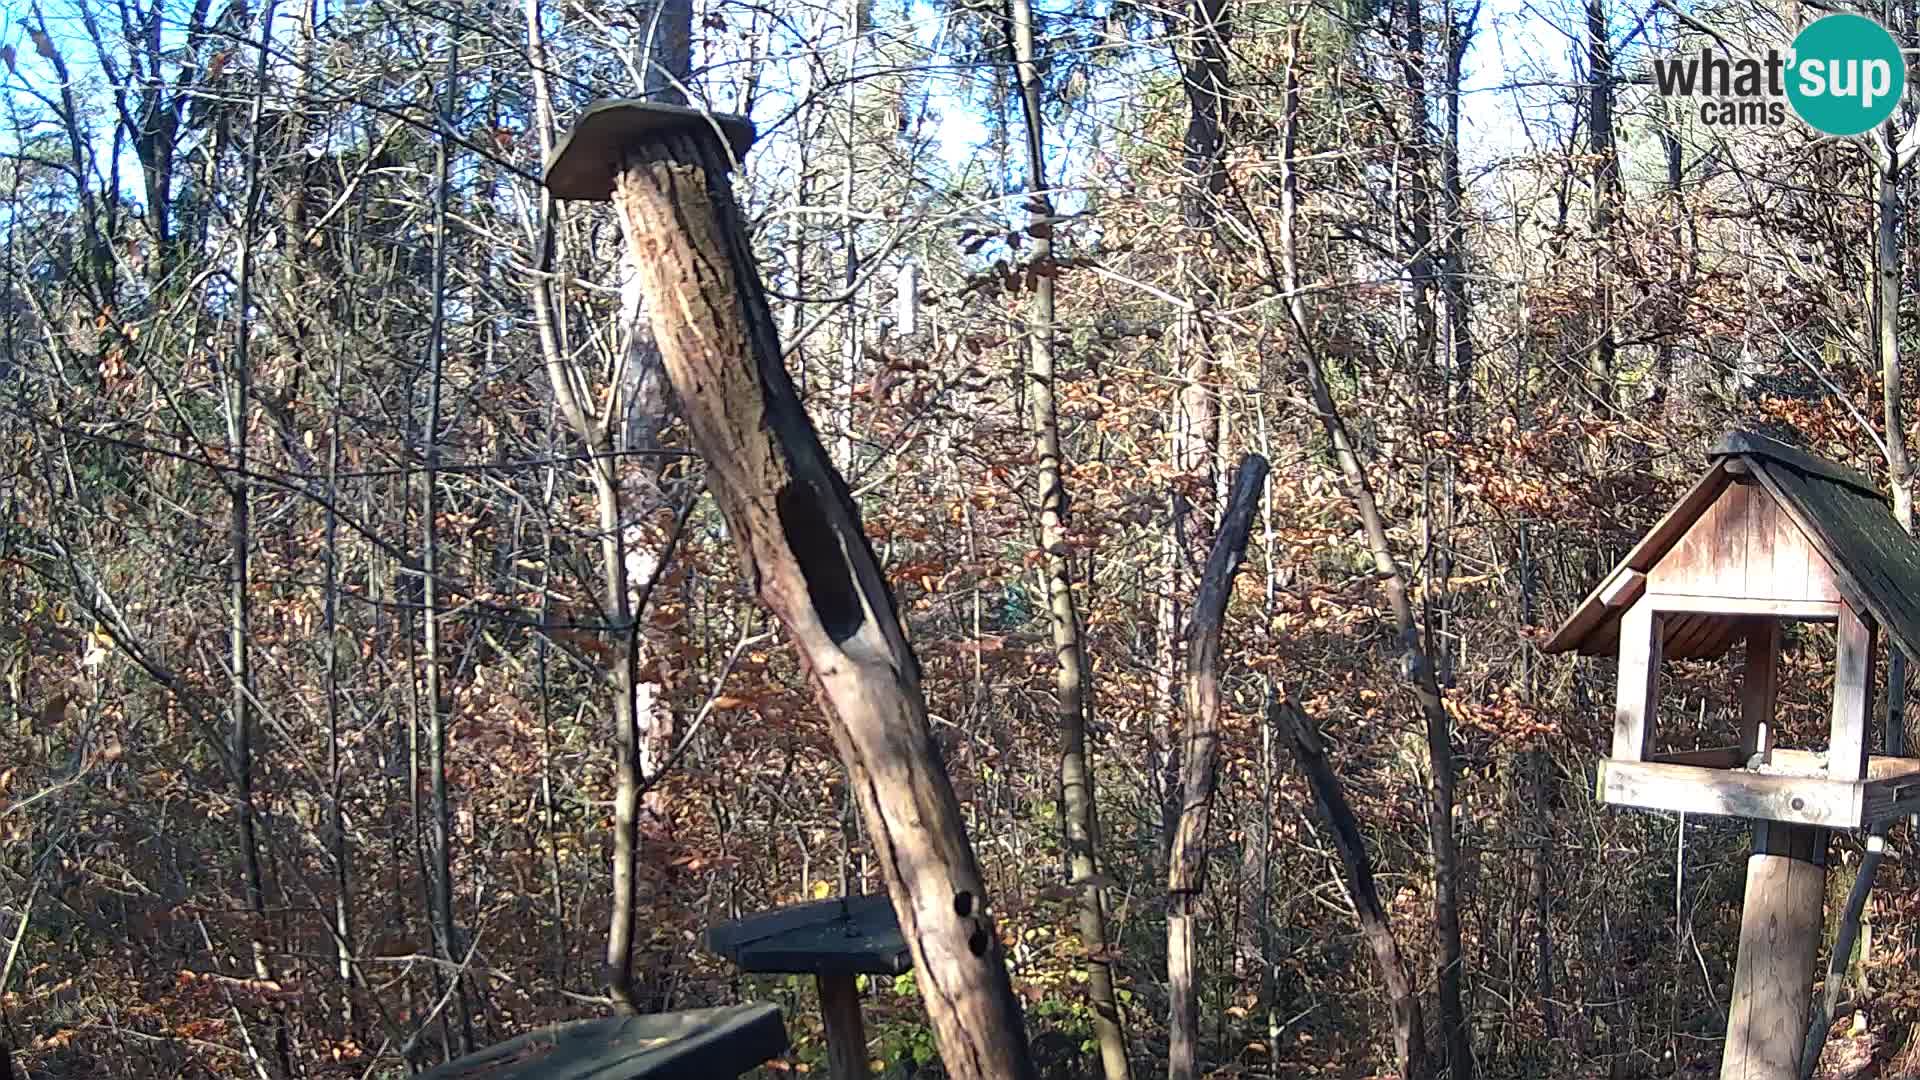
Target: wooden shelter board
{"type": "Point", "coordinates": [1744, 546]}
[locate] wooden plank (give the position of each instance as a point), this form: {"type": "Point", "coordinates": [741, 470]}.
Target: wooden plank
{"type": "Point", "coordinates": [1776, 559]}
{"type": "Point", "coordinates": [1688, 567]}
{"type": "Point", "coordinates": [1753, 444]}
{"type": "Point", "coordinates": [1688, 641]}
{"type": "Point", "coordinates": [846, 1031]}
{"type": "Point", "coordinates": [1854, 642]}
{"type": "Point", "coordinates": [1623, 588]}
{"type": "Point", "coordinates": [1708, 757]}
{"type": "Point", "coordinates": [1894, 797]}
{"type": "Point", "coordinates": [1639, 682]}
{"type": "Point", "coordinates": [1729, 547]}
{"type": "Point", "coordinates": [1780, 924]}
{"type": "Point", "coordinates": [1760, 688]}
{"type": "Point", "coordinates": [1801, 800]}
{"type": "Point", "coordinates": [715, 1043]}
{"type": "Point", "coordinates": [1823, 570]}
{"type": "Point", "coordinates": [1719, 638]}
{"type": "Point", "coordinates": [1880, 767]}
{"type": "Point", "coordinates": [1803, 610]}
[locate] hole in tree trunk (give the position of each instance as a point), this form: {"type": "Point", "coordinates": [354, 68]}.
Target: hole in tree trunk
{"type": "Point", "coordinates": [824, 565]}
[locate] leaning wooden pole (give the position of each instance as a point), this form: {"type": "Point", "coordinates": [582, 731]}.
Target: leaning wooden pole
{"type": "Point", "coordinates": [1200, 767]}
{"type": "Point", "coordinates": [802, 545]}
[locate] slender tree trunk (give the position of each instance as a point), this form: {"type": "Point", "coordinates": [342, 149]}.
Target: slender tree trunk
{"type": "Point", "coordinates": [445, 935]}
{"type": "Point", "coordinates": [1201, 34]}
{"type": "Point", "coordinates": [1416, 665]}
{"type": "Point", "coordinates": [240, 549]}
{"type": "Point", "coordinates": [642, 721]}
{"type": "Point", "coordinates": [850, 348]}
{"type": "Point", "coordinates": [1417, 182]}
{"type": "Point", "coordinates": [1200, 768]}
{"type": "Point", "coordinates": [1606, 187]}
{"type": "Point", "coordinates": [1070, 679]}
{"type": "Point", "coordinates": [1460, 32]}
{"type": "Point", "coordinates": [336, 813]}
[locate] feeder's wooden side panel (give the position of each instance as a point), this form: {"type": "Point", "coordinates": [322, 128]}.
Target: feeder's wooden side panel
{"type": "Point", "coordinates": [1854, 642]}
{"type": "Point", "coordinates": [1639, 687]}
{"type": "Point", "coordinates": [1745, 545]}
{"type": "Point", "coordinates": [1759, 688]}
{"type": "Point", "coordinates": [1780, 926]}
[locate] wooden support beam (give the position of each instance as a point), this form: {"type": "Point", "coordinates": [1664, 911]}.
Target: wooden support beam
{"type": "Point", "coordinates": [846, 1031]}
{"type": "Point", "coordinates": [1802, 610]}
{"type": "Point", "coordinates": [1623, 588]}
{"type": "Point", "coordinates": [1852, 695]}
{"type": "Point", "coordinates": [1639, 687]}
{"type": "Point", "coordinates": [1760, 689]}
{"type": "Point", "coordinates": [1780, 926]}
{"type": "Point", "coordinates": [1691, 789]}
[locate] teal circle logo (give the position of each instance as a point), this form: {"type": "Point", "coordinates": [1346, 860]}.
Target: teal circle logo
{"type": "Point", "coordinates": [1845, 74]}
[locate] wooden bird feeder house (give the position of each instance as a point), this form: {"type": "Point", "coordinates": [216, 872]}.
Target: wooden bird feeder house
{"type": "Point", "coordinates": [1769, 535]}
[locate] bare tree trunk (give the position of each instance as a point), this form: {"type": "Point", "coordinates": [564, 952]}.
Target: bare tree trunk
{"type": "Point", "coordinates": [801, 541]}
{"type": "Point", "coordinates": [1200, 767]}
{"type": "Point", "coordinates": [1409, 1030]}
{"type": "Point", "coordinates": [336, 815]}
{"type": "Point", "coordinates": [1418, 184]}
{"type": "Point", "coordinates": [1453, 250]}
{"type": "Point", "coordinates": [643, 729]}
{"type": "Point", "coordinates": [850, 248]}
{"type": "Point", "coordinates": [1539, 888]}
{"type": "Point", "coordinates": [1070, 679]}
{"type": "Point", "coordinates": [1200, 36]}
{"type": "Point", "coordinates": [1416, 665]}
{"type": "Point", "coordinates": [240, 549]}
{"type": "Point", "coordinates": [444, 934]}
{"type": "Point", "coordinates": [1606, 187]}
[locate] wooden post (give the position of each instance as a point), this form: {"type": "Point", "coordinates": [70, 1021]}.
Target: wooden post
{"type": "Point", "coordinates": [802, 546]}
{"type": "Point", "coordinates": [1854, 639]}
{"type": "Point", "coordinates": [1780, 927]}
{"type": "Point", "coordinates": [1759, 690]}
{"type": "Point", "coordinates": [1639, 689]}
{"type": "Point", "coordinates": [846, 1031]}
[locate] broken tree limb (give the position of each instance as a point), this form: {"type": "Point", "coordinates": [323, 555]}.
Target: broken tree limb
{"type": "Point", "coordinates": [801, 544]}
{"type": "Point", "coordinates": [1200, 765]}
{"type": "Point", "coordinates": [1409, 1029]}
{"type": "Point", "coordinates": [1821, 1024]}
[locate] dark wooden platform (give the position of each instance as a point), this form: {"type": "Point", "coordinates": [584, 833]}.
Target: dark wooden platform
{"type": "Point", "coordinates": [708, 1043]}
{"type": "Point", "coordinates": [852, 935]}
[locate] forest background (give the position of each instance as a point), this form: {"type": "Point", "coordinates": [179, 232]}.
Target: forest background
{"type": "Point", "coordinates": [372, 656]}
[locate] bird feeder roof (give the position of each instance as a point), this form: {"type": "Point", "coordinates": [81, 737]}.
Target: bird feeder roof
{"type": "Point", "coordinates": [584, 164]}
{"type": "Point", "coordinates": [1845, 519]}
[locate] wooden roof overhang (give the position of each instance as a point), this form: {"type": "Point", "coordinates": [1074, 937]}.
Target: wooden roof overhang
{"type": "Point", "coordinates": [1845, 519]}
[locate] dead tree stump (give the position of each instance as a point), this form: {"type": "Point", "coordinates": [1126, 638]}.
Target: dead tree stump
{"type": "Point", "coordinates": [802, 546]}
